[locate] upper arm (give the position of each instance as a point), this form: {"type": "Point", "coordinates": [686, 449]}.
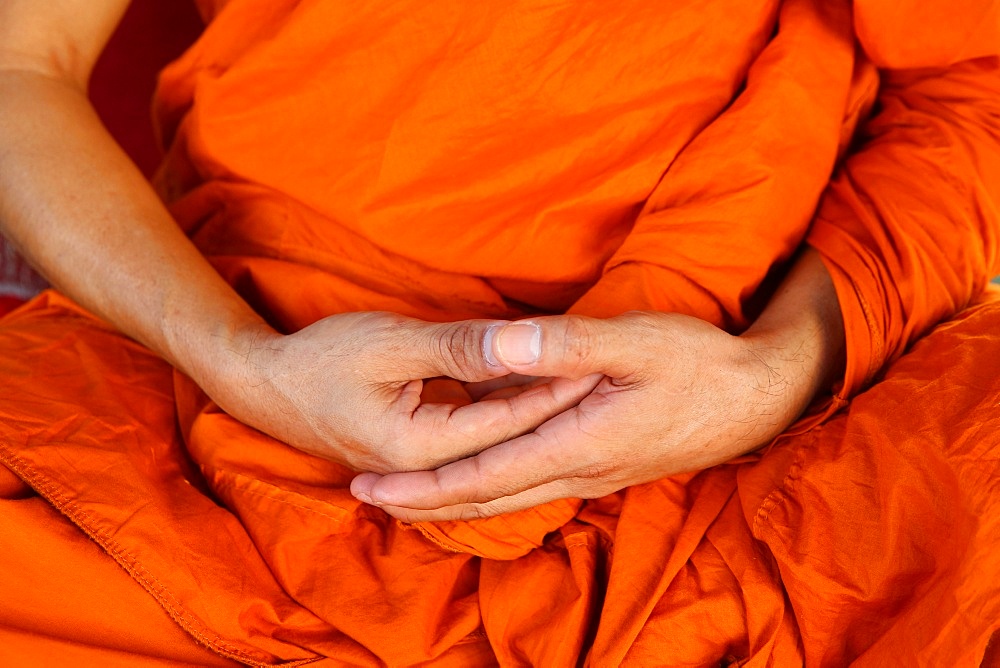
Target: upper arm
{"type": "Point", "coordinates": [60, 38]}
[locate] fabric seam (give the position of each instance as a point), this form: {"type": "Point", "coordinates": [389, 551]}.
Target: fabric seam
{"type": "Point", "coordinates": [131, 564]}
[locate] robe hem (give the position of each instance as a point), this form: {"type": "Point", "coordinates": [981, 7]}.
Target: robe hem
{"type": "Point", "coordinates": [71, 510]}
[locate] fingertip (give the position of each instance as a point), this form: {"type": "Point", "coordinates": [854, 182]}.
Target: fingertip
{"type": "Point", "coordinates": [416, 490]}
{"type": "Point", "coordinates": [379, 489]}
{"type": "Point", "coordinates": [398, 489]}
{"type": "Point", "coordinates": [362, 487]}
{"type": "Point", "coordinates": [518, 344]}
{"type": "Point", "coordinates": [489, 344]}
{"type": "Point", "coordinates": [567, 346]}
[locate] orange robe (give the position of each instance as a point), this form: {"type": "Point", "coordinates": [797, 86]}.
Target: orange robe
{"type": "Point", "coordinates": [450, 160]}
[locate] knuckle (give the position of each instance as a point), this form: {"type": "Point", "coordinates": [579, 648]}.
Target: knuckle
{"type": "Point", "coordinates": [646, 322]}
{"type": "Point", "coordinates": [577, 341]}
{"type": "Point", "coordinates": [597, 467]}
{"type": "Point", "coordinates": [379, 325]}
{"type": "Point", "coordinates": [594, 471]}
{"type": "Point", "coordinates": [458, 349]}
{"type": "Point", "coordinates": [594, 480]}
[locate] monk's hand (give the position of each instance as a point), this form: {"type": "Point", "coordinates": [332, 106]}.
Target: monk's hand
{"type": "Point", "coordinates": [349, 388]}
{"type": "Point", "coordinates": [676, 394]}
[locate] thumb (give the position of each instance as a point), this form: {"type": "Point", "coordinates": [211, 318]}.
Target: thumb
{"type": "Point", "coordinates": [453, 349]}
{"type": "Point", "coordinates": [565, 346]}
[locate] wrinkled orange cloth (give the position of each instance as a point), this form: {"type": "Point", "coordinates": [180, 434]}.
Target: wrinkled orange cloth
{"type": "Point", "coordinates": [446, 161]}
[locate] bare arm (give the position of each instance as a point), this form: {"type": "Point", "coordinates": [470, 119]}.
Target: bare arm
{"type": "Point", "coordinates": [678, 394]}
{"type": "Point", "coordinates": [78, 209]}
{"type": "Point", "coordinates": [81, 212]}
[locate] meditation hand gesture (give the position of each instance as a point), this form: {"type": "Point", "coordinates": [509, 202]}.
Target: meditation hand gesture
{"type": "Point", "coordinates": [348, 388]}
{"type": "Point", "coordinates": [675, 394]}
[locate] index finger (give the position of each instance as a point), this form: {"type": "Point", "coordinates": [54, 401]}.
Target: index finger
{"type": "Point", "coordinates": [512, 381]}
{"type": "Point", "coordinates": [557, 450]}
{"type": "Point", "coordinates": [443, 433]}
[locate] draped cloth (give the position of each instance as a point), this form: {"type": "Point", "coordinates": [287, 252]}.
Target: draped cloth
{"type": "Point", "coordinates": [448, 161]}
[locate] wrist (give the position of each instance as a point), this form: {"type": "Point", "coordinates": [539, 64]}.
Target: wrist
{"type": "Point", "coordinates": [225, 359]}
{"type": "Point", "coordinates": [785, 367]}
{"type": "Point", "coordinates": [799, 340]}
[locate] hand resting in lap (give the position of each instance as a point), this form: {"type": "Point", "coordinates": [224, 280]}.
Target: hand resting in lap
{"type": "Point", "coordinates": [350, 388]}
{"type": "Point", "coordinates": [674, 394]}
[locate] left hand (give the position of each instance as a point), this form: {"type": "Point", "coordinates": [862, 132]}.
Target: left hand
{"type": "Point", "coordinates": [678, 394]}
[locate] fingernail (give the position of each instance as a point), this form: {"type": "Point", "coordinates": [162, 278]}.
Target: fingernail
{"type": "Point", "coordinates": [364, 498]}
{"type": "Point", "coordinates": [520, 343]}
{"type": "Point", "coordinates": [491, 332]}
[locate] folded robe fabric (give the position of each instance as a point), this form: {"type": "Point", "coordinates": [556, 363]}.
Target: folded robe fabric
{"type": "Point", "coordinates": [448, 161]}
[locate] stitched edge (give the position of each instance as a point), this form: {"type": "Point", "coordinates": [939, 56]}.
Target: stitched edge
{"type": "Point", "coordinates": [82, 519]}
{"type": "Point", "coordinates": [780, 493]}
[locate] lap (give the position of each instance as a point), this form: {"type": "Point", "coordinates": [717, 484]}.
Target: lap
{"type": "Point", "coordinates": [881, 520]}
{"type": "Point", "coordinates": [833, 546]}
{"type": "Point", "coordinates": [66, 603]}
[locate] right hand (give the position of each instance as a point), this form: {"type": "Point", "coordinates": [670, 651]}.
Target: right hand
{"type": "Point", "coordinates": [348, 388]}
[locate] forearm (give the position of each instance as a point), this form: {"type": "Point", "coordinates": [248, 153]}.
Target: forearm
{"type": "Point", "coordinates": [78, 209]}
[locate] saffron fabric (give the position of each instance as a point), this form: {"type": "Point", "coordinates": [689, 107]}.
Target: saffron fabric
{"type": "Point", "coordinates": [447, 161]}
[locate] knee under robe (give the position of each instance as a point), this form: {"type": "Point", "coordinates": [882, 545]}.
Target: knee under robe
{"type": "Point", "coordinates": [450, 160]}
